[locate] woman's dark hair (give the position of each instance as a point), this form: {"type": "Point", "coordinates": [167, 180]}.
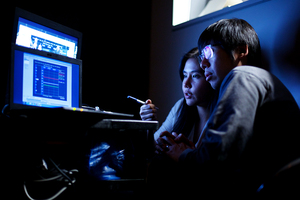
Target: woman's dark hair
{"type": "Point", "coordinates": [186, 119]}
{"type": "Point", "coordinates": [231, 33]}
{"type": "Point", "coordinates": [193, 53]}
{"type": "Point", "coordinates": [188, 114]}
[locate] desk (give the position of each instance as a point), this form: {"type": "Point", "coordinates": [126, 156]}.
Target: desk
{"type": "Point", "coordinates": [68, 143]}
{"type": "Point", "coordinates": [123, 124]}
{"type": "Point", "coordinates": [119, 134]}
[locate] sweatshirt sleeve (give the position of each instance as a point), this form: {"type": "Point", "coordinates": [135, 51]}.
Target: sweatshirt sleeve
{"type": "Point", "coordinates": [169, 122]}
{"type": "Point", "coordinates": [230, 126]}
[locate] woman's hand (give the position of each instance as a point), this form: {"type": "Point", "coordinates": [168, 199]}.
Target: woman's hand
{"type": "Point", "coordinates": [148, 111]}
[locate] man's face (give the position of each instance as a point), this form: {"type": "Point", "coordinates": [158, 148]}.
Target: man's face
{"type": "Point", "coordinates": [217, 65]}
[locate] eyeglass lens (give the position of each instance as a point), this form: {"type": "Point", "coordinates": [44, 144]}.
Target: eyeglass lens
{"type": "Point", "coordinates": [207, 52]}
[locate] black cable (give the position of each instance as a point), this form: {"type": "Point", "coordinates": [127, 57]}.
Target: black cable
{"type": "Point", "coordinates": [55, 178]}
{"type": "Point", "coordinates": [62, 173]}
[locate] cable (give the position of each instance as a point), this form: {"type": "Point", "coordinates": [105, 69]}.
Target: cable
{"type": "Point", "coordinates": [67, 177]}
{"type": "Point", "coordinates": [62, 174]}
{"type": "Point", "coordinates": [56, 177]}
{"type": "Point", "coordinates": [51, 198]}
{"type": "Point", "coordinates": [3, 110]}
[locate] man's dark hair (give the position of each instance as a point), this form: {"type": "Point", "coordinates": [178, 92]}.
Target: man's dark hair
{"type": "Point", "coordinates": [231, 33]}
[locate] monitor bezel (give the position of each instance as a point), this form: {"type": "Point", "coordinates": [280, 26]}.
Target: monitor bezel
{"type": "Point", "coordinates": [47, 23]}
{"type": "Point", "coordinates": [14, 106]}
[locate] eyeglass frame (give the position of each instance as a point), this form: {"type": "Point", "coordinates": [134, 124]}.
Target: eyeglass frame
{"type": "Point", "coordinates": [202, 55]}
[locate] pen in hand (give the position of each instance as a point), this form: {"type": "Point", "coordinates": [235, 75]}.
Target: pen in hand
{"type": "Point", "coordinates": [139, 101]}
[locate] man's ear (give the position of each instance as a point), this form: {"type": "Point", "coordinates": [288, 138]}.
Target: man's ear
{"type": "Point", "coordinates": [240, 55]}
{"type": "Point", "coordinates": [242, 51]}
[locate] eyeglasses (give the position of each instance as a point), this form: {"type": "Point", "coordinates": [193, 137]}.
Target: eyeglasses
{"type": "Point", "coordinates": [206, 52]}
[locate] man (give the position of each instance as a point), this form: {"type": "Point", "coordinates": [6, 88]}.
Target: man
{"type": "Point", "coordinates": [253, 131]}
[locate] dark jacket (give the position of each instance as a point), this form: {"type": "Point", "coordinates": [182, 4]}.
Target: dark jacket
{"type": "Point", "coordinates": [252, 133]}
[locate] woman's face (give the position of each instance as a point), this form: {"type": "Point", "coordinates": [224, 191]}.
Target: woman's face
{"type": "Point", "coordinates": [196, 89]}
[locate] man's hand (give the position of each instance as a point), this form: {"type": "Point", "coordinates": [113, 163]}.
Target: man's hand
{"type": "Point", "coordinates": [181, 138]}
{"type": "Point", "coordinates": [173, 145]}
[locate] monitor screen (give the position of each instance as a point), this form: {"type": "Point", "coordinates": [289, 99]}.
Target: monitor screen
{"type": "Point", "coordinates": [37, 36]}
{"type": "Point", "coordinates": [36, 32]}
{"type": "Point", "coordinates": [44, 81]}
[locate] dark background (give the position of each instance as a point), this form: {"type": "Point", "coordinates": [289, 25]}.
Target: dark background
{"type": "Point", "coordinates": [115, 47]}
{"type": "Point", "coordinates": [115, 54]}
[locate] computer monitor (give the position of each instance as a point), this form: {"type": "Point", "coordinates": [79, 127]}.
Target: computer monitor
{"type": "Point", "coordinates": [36, 32]}
{"type": "Point", "coordinates": [43, 79]}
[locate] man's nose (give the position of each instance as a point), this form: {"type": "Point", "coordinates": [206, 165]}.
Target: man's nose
{"type": "Point", "coordinates": [204, 63]}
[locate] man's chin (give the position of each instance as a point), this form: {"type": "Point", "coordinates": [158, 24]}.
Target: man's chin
{"type": "Point", "coordinates": [214, 85]}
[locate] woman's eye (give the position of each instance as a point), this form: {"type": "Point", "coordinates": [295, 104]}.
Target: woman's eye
{"type": "Point", "coordinates": [196, 76]}
{"type": "Point", "coordinates": [184, 75]}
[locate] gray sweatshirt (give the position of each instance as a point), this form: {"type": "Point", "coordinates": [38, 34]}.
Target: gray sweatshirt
{"type": "Point", "coordinates": [253, 130]}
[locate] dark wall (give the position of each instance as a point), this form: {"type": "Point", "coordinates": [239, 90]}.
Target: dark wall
{"type": "Point", "coordinates": [277, 23]}
{"type": "Point", "coordinates": [115, 48]}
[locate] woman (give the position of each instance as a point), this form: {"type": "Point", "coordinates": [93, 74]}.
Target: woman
{"type": "Point", "coordinates": [190, 114]}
